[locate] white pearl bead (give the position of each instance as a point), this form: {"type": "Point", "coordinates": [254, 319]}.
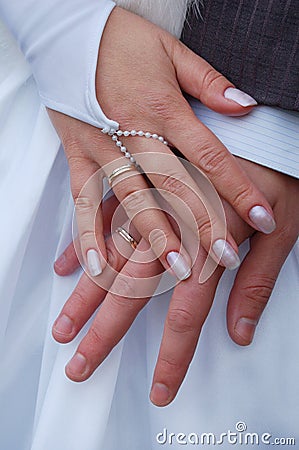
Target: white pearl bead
{"type": "Point", "coordinates": [128, 155]}
{"type": "Point", "coordinates": [119, 133]}
{"type": "Point", "coordinates": [161, 138]}
{"type": "Point", "coordinates": [140, 133]}
{"type": "Point", "coordinates": [105, 130]}
{"type": "Point", "coordinates": [126, 133]}
{"type": "Point", "coordinates": [132, 159]}
{"type": "Point", "coordinates": [114, 138]}
{"type": "Point", "coordinates": [155, 136]}
{"type": "Point", "coordinates": [112, 131]}
{"type": "Point", "coordinates": [165, 143]}
{"type": "Point", "coordinates": [123, 149]}
{"type": "Point", "coordinates": [148, 135]}
{"type": "Point", "coordinates": [133, 133]}
{"type": "Point", "coordinates": [119, 144]}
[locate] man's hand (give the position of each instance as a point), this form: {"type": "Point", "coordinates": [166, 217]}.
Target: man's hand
{"type": "Point", "coordinates": [190, 302]}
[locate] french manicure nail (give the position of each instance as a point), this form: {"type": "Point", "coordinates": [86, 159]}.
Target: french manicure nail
{"type": "Point", "coordinates": [179, 266]}
{"type": "Point", "coordinates": [245, 328]}
{"type": "Point", "coordinates": [262, 219]}
{"type": "Point", "coordinates": [239, 97]}
{"type": "Point", "coordinates": [94, 263]}
{"type": "Point", "coordinates": [160, 394]}
{"type": "Point", "coordinates": [64, 325]}
{"type": "Point", "coordinates": [226, 254]}
{"type": "Point", "coordinates": [77, 365]}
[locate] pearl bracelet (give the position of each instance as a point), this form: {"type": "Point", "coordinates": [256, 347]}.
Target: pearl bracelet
{"type": "Point", "coordinates": [116, 134]}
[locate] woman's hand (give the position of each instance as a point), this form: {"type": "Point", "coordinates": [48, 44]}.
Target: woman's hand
{"type": "Point", "coordinates": [191, 301]}
{"type": "Point", "coordinates": [142, 71]}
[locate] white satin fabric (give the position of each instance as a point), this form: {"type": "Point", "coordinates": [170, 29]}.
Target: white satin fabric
{"type": "Point", "coordinates": [40, 409]}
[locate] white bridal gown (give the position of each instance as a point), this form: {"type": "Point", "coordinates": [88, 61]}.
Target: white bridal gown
{"type": "Point", "coordinates": [40, 409]}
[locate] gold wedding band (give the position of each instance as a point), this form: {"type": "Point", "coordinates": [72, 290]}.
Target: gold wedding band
{"type": "Point", "coordinates": [127, 237]}
{"type": "Point", "coordinates": [120, 171]}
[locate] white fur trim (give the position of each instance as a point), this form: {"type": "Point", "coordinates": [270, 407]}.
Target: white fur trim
{"type": "Point", "coordinates": [168, 14]}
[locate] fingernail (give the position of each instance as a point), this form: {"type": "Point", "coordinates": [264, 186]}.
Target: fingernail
{"type": "Point", "coordinates": [160, 394]}
{"type": "Point", "coordinates": [226, 254]}
{"type": "Point", "coordinates": [60, 262]}
{"type": "Point", "coordinates": [245, 328]}
{"type": "Point", "coordinates": [94, 263]}
{"type": "Point", "coordinates": [262, 219]}
{"type": "Point", "coordinates": [64, 325]}
{"type": "Point", "coordinates": [77, 365]}
{"type": "Point", "coordinates": [179, 266]}
{"type": "Point", "coordinates": [239, 97]}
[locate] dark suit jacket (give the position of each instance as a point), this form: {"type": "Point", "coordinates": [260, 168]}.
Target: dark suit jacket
{"type": "Point", "coordinates": [254, 43]}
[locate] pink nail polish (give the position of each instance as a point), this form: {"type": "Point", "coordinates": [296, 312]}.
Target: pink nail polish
{"type": "Point", "coordinates": [239, 97]}
{"type": "Point", "coordinates": [179, 266]}
{"type": "Point", "coordinates": [262, 219]}
{"type": "Point", "coordinates": [226, 254]}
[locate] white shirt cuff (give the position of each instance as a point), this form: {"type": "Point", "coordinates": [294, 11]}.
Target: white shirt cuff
{"type": "Point", "coordinates": [60, 39]}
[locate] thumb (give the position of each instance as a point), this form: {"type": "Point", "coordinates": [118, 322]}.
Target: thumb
{"type": "Point", "coordinates": [199, 79]}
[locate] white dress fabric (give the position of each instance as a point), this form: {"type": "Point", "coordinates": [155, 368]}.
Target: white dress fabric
{"type": "Point", "coordinates": [40, 409]}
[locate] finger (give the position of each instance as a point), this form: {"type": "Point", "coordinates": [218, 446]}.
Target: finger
{"type": "Point", "coordinates": [68, 261]}
{"type": "Point", "coordinates": [199, 79]}
{"type": "Point", "coordinates": [138, 201]}
{"type": "Point", "coordinates": [188, 310]}
{"type": "Point", "coordinates": [88, 295]}
{"type": "Point", "coordinates": [87, 188]}
{"type": "Point", "coordinates": [202, 148]}
{"type": "Point", "coordinates": [255, 281]}
{"type": "Point", "coordinates": [116, 315]}
{"type": "Point", "coordinates": [191, 204]}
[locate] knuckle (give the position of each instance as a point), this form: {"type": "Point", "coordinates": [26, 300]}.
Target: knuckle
{"type": "Point", "coordinates": [135, 202]}
{"type": "Point", "coordinates": [205, 224]}
{"type": "Point", "coordinates": [212, 159]}
{"type": "Point", "coordinates": [180, 321]}
{"type": "Point", "coordinates": [79, 298]}
{"type": "Point", "coordinates": [113, 257]}
{"type": "Point", "coordinates": [158, 240]}
{"type": "Point", "coordinates": [210, 78]}
{"type": "Point", "coordinates": [259, 290]}
{"type": "Point", "coordinates": [244, 194]}
{"type": "Point", "coordinates": [87, 236]}
{"type": "Point", "coordinates": [171, 364]}
{"type": "Point", "coordinates": [95, 335]}
{"type": "Point", "coordinates": [174, 183]}
{"type": "Point", "coordinates": [84, 204]}
{"type": "Point", "coordinates": [161, 106]}
{"type": "Point", "coordinates": [71, 146]}
{"type": "Point", "coordinates": [125, 287]}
